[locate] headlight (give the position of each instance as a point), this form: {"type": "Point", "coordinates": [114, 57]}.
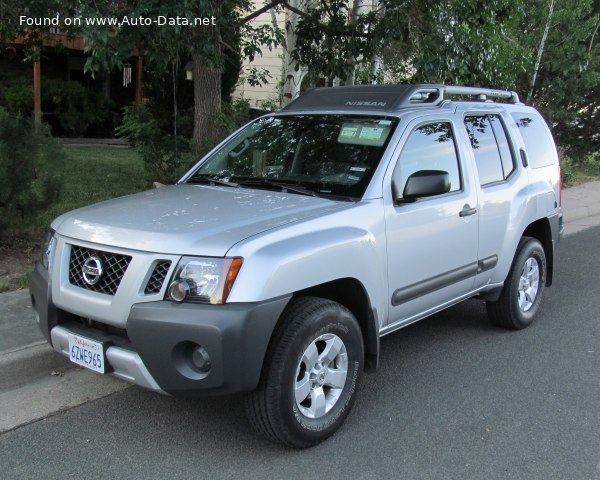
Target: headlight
{"type": "Point", "coordinates": [48, 252]}
{"type": "Point", "coordinates": [203, 279]}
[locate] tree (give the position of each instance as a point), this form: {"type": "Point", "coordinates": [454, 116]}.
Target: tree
{"type": "Point", "coordinates": [29, 164]}
{"type": "Point", "coordinates": [563, 72]}
{"type": "Point", "coordinates": [294, 72]}
{"type": "Point", "coordinates": [467, 42]}
{"type": "Point", "coordinates": [207, 44]}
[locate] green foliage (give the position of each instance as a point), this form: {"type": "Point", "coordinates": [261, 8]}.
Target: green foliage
{"type": "Point", "coordinates": [567, 170]}
{"type": "Point", "coordinates": [29, 164]}
{"type": "Point", "coordinates": [166, 156]}
{"type": "Point", "coordinates": [17, 97]}
{"type": "Point", "coordinates": [10, 11]}
{"type": "Point", "coordinates": [469, 43]}
{"type": "Point", "coordinates": [164, 44]}
{"type": "Point", "coordinates": [460, 42]}
{"type": "Point", "coordinates": [579, 169]}
{"type": "Point", "coordinates": [233, 116]}
{"type": "Point", "coordinates": [77, 110]}
{"type": "Point", "coordinates": [567, 86]}
{"type": "Point", "coordinates": [592, 162]}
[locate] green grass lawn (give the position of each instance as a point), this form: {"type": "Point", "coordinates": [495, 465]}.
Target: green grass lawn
{"type": "Point", "coordinates": [92, 174]}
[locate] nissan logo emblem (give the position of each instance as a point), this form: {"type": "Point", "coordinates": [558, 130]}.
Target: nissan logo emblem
{"type": "Point", "coordinates": [92, 270]}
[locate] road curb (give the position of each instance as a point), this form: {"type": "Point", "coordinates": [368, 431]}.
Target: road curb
{"type": "Point", "coordinates": [31, 362]}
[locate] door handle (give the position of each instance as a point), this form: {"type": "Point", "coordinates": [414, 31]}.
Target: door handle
{"type": "Point", "coordinates": [467, 211]}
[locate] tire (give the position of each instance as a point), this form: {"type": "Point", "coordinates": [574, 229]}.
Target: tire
{"type": "Point", "coordinates": [523, 289]}
{"type": "Point", "coordinates": [311, 374]}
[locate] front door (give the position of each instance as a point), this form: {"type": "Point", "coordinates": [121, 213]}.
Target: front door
{"type": "Point", "coordinates": [432, 243]}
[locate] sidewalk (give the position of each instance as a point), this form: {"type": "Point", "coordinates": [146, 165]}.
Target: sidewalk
{"type": "Point", "coordinates": [581, 207]}
{"type": "Point", "coordinates": [21, 339]}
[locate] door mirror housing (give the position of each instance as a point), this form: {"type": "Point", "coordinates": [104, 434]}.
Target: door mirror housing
{"type": "Point", "coordinates": [424, 183]}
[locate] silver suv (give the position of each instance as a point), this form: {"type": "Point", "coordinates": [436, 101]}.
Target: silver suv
{"type": "Point", "coordinates": [278, 261]}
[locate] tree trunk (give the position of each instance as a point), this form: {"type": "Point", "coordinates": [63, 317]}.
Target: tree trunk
{"type": "Point", "coordinates": [541, 50]}
{"type": "Point", "coordinates": [294, 73]}
{"type": "Point", "coordinates": [207, 104]}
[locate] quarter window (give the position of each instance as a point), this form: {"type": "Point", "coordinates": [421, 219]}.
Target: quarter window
{"type": "Point", "coordinates": [537, 139]}
{"type": "Point", "coordinates": [429, 147]}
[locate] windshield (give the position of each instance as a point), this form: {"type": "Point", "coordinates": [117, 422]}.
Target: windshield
{"type": "Point", "coordinates": [325, 155]}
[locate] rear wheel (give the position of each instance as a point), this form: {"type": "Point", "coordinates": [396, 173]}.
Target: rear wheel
{"type": "Point", "coordinates": [523, 288]}
{"type": "Point", "coordinates": [311, 374]}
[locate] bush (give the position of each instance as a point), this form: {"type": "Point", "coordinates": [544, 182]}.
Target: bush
{"type": "Point", "coordinates": [567, 170]}
{"type": "Point", "coordinates": [77, 110]}
{"type": "Point", "coordinates": [17, 97]}
{"type": "Point", "coordinates": [166, 157]}
{"type": "Point", "coordinates": [591, 162]}
{"type": "Point", "coordinates": [29, 162]}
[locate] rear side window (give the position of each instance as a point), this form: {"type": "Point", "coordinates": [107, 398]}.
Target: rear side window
{"type": "Point", "coordinates": [537, 139]}
{"type": "Point", "coordinates": [430, 147]}
{"type": "Point", "coordinates": [490, 146]}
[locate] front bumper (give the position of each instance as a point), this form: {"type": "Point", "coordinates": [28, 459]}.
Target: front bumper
{"type": "Point", "coordinates": [154, 349]}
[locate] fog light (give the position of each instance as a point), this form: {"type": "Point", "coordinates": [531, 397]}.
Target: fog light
{"type": "Point", "coordinates": [201, 359]}
{"type": "Point", "coordinates": [179, 290]}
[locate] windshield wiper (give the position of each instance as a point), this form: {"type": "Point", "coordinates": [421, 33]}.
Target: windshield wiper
{"type": "Point", "coordinates": [285, 187]}
{"type": "Point", "coordinates": [213, 181]}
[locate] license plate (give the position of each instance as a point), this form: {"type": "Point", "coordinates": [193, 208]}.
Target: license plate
{"type": "Point", "coordinates": [87, 353]}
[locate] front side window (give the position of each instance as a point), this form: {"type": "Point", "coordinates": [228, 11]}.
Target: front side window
{"type": "Point", "coordinates": [328, 155]}
{"type": "Point", "coordinates": [429, 147]}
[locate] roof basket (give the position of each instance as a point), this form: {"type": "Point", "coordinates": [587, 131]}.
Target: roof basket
{"type": "Point", "coordinates": [482, 93]}
{"type": "Point", "coordinates": [390, 98]}
{"type": "Point", "coordinates": [429, 95]}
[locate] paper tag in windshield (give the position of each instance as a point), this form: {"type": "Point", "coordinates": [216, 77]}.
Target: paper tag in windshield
{"type": "Point", "coordinates": [348, 132]}
{"type": "Point", "coordinates": [372, 134]}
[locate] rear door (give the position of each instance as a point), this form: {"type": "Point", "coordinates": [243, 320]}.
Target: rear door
{"type": "Point", "coordinates": [497, 176]}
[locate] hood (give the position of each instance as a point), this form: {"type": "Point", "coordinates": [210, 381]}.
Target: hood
{"type": "Point", "coordinates": [188, 219]}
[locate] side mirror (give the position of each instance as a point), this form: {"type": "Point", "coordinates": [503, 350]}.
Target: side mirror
{"type": "Point", "coordinates": [424, 183]}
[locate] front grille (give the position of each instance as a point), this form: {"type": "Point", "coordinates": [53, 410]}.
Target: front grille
{"type": "Point", "coordinates": [113, 268]}
{"type": "Point", "coordinates": [156, 280]}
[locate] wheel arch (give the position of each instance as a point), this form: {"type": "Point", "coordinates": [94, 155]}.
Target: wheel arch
{"type": "Point", "coordinates": [541, 231]}
{"type": "Point", "coordinates": [351, 293]}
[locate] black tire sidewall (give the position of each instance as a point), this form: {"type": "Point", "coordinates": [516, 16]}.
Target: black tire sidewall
{"type": "Point", "coordinates": [531, 248]}
{"type": "Point", "coordinates": [336, 320]}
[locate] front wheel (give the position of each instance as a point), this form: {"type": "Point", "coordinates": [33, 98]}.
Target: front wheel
{"type": "Point", "coordinates": [522, 292]}
{"type": "Point", "coordinates": [311, 374]}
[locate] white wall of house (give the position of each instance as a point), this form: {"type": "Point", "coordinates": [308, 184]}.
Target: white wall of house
{"type": "Point", "coordinates": [271, 60]}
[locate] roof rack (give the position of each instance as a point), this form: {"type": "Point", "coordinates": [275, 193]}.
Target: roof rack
{"type": "Point", "coordinates": [482, 93]}
{"type": "Point", "coordinates": [390, 98]}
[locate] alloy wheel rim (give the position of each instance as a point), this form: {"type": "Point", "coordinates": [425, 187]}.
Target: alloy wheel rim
{"type": "Point", "coordinates": [529, 283]}
{"type": "Point", "coordinates": [321, 375]}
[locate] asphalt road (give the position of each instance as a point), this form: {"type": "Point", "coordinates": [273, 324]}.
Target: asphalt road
{"type": "Point", "coordinates": [455, 398]}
